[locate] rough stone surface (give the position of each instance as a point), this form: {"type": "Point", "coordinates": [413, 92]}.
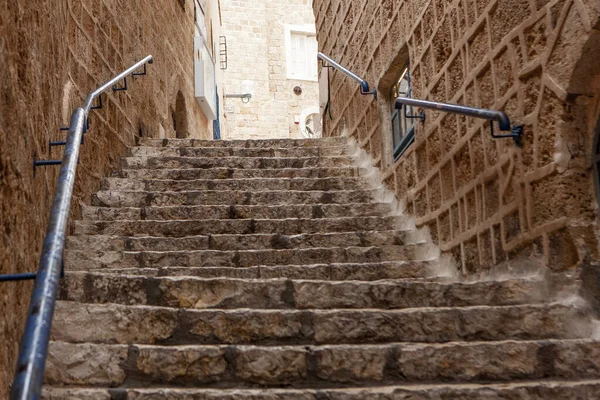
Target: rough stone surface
{"type": "Point", "coordinates": [259, 29]}
{"type": "Point", "coordinates": [486, 201]}
{"type": "Point", "coordinates": [52, 54]}
{"type": "Point", "coordinates": [312, 293]}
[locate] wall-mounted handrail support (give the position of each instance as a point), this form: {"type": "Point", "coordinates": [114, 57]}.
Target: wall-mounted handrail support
{"type": "Point", "coordinates": [31, 363]}
{"type": "Point", "coordinates": [364, 85]}
{"type": "Point", "coordinates": [504, 123]}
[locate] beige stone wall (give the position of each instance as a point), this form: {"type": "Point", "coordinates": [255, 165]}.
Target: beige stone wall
{"type": "Point", "coordinates": [486, 201]}
{"type": "Point", "coordinates": [255, 33]}
{"type": "Point", "coordinates": [52, 53]}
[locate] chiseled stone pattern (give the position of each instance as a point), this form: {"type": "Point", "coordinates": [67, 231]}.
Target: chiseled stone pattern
{"type": "Point", "coordinates": [52, 54]}
{"type": "Point", "coordinates": [237, 270]}
{"type": "Point", "coordinates": [486, 201]}
{"type": "Point", "coordinates": [255, 32]}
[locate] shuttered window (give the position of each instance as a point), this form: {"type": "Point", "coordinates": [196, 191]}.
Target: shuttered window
{"type": "Point", "coordinates": [302, 57]}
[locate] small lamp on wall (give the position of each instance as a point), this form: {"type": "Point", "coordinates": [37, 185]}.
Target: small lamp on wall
{"type": "Point", "coordinates": [246, 95]}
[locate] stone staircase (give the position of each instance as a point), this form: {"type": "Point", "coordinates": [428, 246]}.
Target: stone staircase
{"type": "Point", "coordinates": [267, 270]}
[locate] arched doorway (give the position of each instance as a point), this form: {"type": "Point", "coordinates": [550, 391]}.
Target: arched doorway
{"type": "Point", "coordinates": [180, 120]}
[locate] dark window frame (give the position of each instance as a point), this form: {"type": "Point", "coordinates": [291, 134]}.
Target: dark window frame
{"type": "Point", "coordinates": [403, 128]}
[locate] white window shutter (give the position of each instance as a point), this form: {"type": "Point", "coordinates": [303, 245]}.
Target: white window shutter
{"type": "Point", "coordinates": [303, 56]}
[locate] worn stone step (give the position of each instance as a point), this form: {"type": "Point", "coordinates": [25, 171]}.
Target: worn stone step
{"type": "Point", "coordinates": [122, 198]}
{"type": "Point", "coordinates": [333, 271]}
{"type": "Point", "coordinates": [235, 226]}
{"type": "Point", "coordinates": [303, 211]}
{"type": "Point", "coordinates": [250, 144]}
{"type": "Point", "coordinates": [79, 323]}
{"type": "Point", "coordinates": [236, 173]}
{"type": "Point", "coordinates": [188, 292]}
{"type": "Point", "coordinates": [336, 272]}
{"type": "Point", "coordinates": [524, 390]}
{"type": "Point", "coordinates": [234, 162]}
{"type": "Point", "coordinates": [254, 184]}
{"type": "Point", "coordinates": [92, 243]}
{"type": "Point", "coordinates": [320, 366]}
{"type": "Point", "coordinates": [152, 151]}
{"type": "Point", "coordinates": [84, 260]}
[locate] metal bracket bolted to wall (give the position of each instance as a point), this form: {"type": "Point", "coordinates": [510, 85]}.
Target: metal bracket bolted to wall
{"type": "Point", "coordinates": [133, 74]}
{"type": "Point", "coordinates": [516, 133]}
{"type": "Point", "coordinates": [26, 276]}
{"type": "Point", "coordinates": [420, 116]}
{"type": "Point", "coordinates": [99, 106]}
{"type": "Point", "coordinates": [115, 88]}
{"type": "Point", "coordinates": [52, 144]}
{"type": "Point", "coordinates": [43, 163]}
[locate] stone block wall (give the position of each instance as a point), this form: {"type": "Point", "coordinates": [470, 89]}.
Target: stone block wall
{"type": "Point", "coordinates": [52, 53]}
{"type": "Point", "coordinates": [255, 32]}
{"type": "Point", "coordinates": [486, 202]}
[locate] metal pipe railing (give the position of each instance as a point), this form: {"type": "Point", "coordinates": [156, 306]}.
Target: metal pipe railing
{"type": "Point", "coordinates": [34, 344]}
{"type": "Point", "coordinates": [481, 113]}
{"type": "Point", "coordinates": [364, 85]}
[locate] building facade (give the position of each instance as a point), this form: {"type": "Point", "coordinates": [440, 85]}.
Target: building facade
{"type": "Point", "coordinates": [486, 201]}
{"type": "Point", "coordinates": [271, 54]}
{"type": "Point", "coordinates": [52, 54]}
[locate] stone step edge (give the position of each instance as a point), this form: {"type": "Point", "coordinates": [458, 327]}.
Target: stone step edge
{"type": "Point", "coordinates": [199, 206]}
{"type": "Point", "coordinates": [390, 232]}
{"type": "Point", "coordinates": [345, 158]}
{"type": "Point", "coordinates": [416, 245]}
{"type": "Point", "coordinates": [331, 146]}
{"type": "Point", "coordinates": [261, 272]}
{"type": "Point", "coordinates": [219, 169]}
{"type": "Point", "coordinates": [102, 273]}
{"type": "Point", "coordinates": [330, 365]}
{"type": "Point", "coordinates": [347, 180]}
{"type": "Point", "coordinates": [162, 221]}
{"type": "Point", "coordinates": [421, 388]}
{"type": "Point", "coordinates": [369, 190]}
{"type": "Point", "coordinates": [337, 139]}
{"type": "Point", "coordinates": [399, 311]}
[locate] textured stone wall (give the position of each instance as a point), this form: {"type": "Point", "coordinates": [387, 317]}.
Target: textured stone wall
{"type": "Point", "coordinates": [486, 201]}
{"type": "Point", "coordinates": [52, 53]}
{"type": "Point", "coordinates": [255, 33]}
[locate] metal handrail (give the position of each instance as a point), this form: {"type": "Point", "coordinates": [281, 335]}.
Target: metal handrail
{"type": "Point", "coordinates": [482, 113]}
{"type": "Point", "coordinates": [34, 344]}
{"type": "Point", "coordinates": [364, 85]}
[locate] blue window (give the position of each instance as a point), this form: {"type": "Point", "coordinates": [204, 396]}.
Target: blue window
{"type": "Point", "coordinates": [403, 129]}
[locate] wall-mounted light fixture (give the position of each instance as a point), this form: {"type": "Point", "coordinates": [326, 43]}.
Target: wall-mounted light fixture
{"type": "Point", "coordinates": [246, 95]}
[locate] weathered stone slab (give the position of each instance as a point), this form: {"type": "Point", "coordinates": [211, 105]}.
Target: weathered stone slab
{"type": "Point", "coordinates": [233, 162]}
{"type": "Point", "coordinates": [517, 391]}
{"type": "Point", "coordinates": [236, 212]}
{"type": "Point", "coordinates": [239, 173]}
{"type": "Point", "coordinates": [249, 144]}
{"type": "Point", "coordinates": [169, 151]}
{"type": "Point", "coordinates": [121, 198]}
{"type": "Point", "coordinates": [234, 226]}
{"type": "Point", "coordinates": [82, 260]}
{"type": "Point", "coordinates": [255, 184]}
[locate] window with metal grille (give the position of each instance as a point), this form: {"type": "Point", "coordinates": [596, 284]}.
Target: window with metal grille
{"type": "Point", "coordinates": [403, 129]}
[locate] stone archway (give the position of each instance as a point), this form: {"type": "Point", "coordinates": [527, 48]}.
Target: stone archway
{"type": "Point", "coordinates": [180, 118]}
